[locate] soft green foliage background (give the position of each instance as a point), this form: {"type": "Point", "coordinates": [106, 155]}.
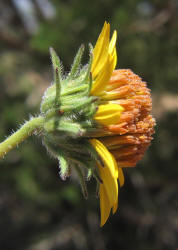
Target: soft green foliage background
{"type": "Point", "coordinates": [38, 211]}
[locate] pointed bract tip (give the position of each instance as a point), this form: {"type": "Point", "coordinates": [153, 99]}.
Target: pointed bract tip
{"type": "Point", "coordinates": [82, 47]}
{"type": "Point", "coordinates": [90, 48]}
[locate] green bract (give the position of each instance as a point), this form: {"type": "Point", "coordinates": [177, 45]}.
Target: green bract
{"type": "Point", "coordinates": [68, 110]}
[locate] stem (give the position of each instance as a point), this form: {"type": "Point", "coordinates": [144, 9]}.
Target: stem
{"type": "Point", "coordinates": [20, 135]}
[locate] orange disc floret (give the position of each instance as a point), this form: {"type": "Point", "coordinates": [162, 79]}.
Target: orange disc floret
{"type": "Point", "coordinates": [131, 136]}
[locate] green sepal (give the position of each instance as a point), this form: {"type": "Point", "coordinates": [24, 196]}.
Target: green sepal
{"type": "Point", "coordinates": [57, 76]}
{"type": "Point", "coordinates": [55, 124]}
{"type": "Point", "coordinates": [88, 73]}
{"type": "Point", "coordinates": [79, 104]}
{"type": "Point", "coordinates": [56, 64]}
{"type": "Point", "coordinates": [69, 109]}
{"type": "Point", "coordinates": [93, 171]}
{"type": "Point", "coordinates": [74, 129]}
{"type": "Point", "coordinates": [75, 69]}
{"type": "Point", "coordinates": [91, 111]}
{"type": "Point", "coordinates": [97, 176]}
{"type": "Point", "coordinates": [63, 165]}
{"type": "Point", "coordinates": [74, 89]}
{"type": "Point", "coordinates": [89, 174]}
{"type": "Point", "coordinates": [82, 180]}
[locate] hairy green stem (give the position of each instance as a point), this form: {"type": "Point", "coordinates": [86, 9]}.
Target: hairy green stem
{"type": "Point", "coordinates": [20, 135]}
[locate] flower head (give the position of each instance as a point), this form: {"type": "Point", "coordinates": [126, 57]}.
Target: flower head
{"type": "Point", "coordinates": [97, 119]}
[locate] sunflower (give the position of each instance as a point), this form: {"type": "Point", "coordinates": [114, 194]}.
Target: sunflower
{"type": "Point", "coordinates": [97, 120]}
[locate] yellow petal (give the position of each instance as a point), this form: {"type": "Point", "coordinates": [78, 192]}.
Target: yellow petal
{"type": "Point", "coordinates": [108, 114]}
{"type": "Point", "coordinates": [120, 177]}
{"type": "Point", "coordinates": [118, 173]}
{"type": "Point", "coordinates": [104, 60]}
{"type": "Point", "coordinates": [112, 43]}
{"type": "Point", "coordinates": [121, 182]}
{"type": "Point", "coordinates": [115, 207]}
{"type": "Point", "coordinates": [110, 184]}
{"type": "Point", "coordinates": [105, 154]}
{"type": "Point", "coordinates": [108, 173]}
{"type": "Point", "coordinates": [105, 207]}
{"type": "Point", "coordinates": [100, 52]}
{"type": "Point", "coordinates": [102, 79]}
{"type": "Point", "coordinates": [113, 59]}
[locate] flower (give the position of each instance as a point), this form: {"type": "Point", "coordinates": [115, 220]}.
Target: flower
{"type": "Point", "coordinates": [97, 119]}
{"type": "Point", "coordinates": [125, 116]}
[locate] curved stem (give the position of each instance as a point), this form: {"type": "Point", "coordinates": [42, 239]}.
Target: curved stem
{"type": "Point", "coordinates": [20, 135]}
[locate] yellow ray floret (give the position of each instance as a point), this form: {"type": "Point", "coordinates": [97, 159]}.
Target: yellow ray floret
{"type": "Point", "coordinates": [104, 60]}
{"type": "Point", "coordinates": [109, 175]}
{"type": "Point", "coordinates": [120, 177]}
{"type": "Point", "coordinates": [108, 114]}
{"type": "Point", "coordinates": [100, 51]}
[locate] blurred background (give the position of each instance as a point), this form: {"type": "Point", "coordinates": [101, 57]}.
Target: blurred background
{"type": "Point", "coordinates": [39, 211]}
